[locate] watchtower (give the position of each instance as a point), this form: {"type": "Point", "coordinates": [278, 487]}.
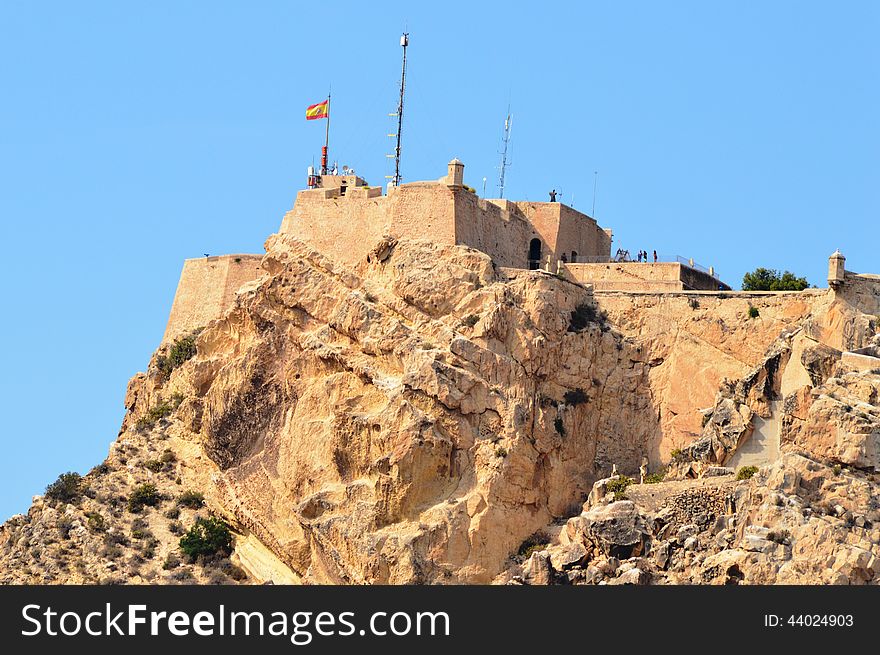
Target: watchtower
{"type": "Point", "coordinates": [836, 269]}
{"type": "Point", "coordinates": [455, 173]}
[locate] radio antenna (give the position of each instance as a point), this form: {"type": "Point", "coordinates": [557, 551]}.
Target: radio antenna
{"type": "Point", "coordinates": [595, 183]}
{"type": "Point", "coordinates": [404, 42]}
{"type": "Point", "coordinates": [504, 142]}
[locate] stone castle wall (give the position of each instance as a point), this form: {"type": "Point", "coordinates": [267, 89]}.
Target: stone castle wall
{"type": "Point", "coordinates": [206, 290]}
{"type": "Point", "coordinates": [494, 227]}
{"type": "Point", "coordinates": [346, 227]}
{"type": "Point", "coordinates": [565, 231]}
{"type": "Point", "coordinates": [862, 291]}
{"type": "Point", "coordinates": [637, 276]}
{"type": "Point", "coordinates": [853, 319]}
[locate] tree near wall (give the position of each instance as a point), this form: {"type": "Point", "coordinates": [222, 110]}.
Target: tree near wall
{"type": "Point", "coordinates": [767, 279]}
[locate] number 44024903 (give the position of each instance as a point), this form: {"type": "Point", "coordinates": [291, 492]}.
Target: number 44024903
{"type": "Point", "coordinates": [809, 620]}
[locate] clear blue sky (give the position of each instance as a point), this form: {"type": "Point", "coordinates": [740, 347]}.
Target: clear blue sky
{"type": "Point", "coordinates": [134, 135]}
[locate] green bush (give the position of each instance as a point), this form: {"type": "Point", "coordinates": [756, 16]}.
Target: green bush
{"type": "Point", "coordinates": [753, 312]}
{"type": "Point", "coordinates": [746, 472]}
{"type": "Point", "coordinates": [148, 547]}
{"type": "Point", "coordinates": [767, 279]}
{"type": "Point", "coordinates": [141, 534]}
{"type": "Point", "coordinates": [583, 315]}
{"type": "Point", "coordinates": [162, 464]}
{"type": "Point", "coordinates": [182, 350]}
{"type": "Point", "coordinates": [618, 485]}
{"type": "Point", "coordinates": [500, 451]}
{"type": "Point", "coordinates": [207, 537]}
{"type": "Point", "coordinates": [183, 574]}
{"type": "Point", "coordinates": [112, 552]}
{"type": "Point", "coordinates": [471, 320]}
{"type": "Point", "coordinates": [559, 425]}
{"type": "Point", "coordinates": [231, 570]}
{"type": "Point", "coordinates": [100, 469]}
{"type": "Point", "coordinates": [145, 495]}
{"type": "Point", "coordinates": [156, 413]}
{"type": "Point", "coordinates": [575, 397]}
{"type": "Point", "coordinates": [191, 499]}
{"type": "Point", "coordinates": [654, 478]}
{"type": "Point", "coordinates": [67, 488]}
{"type": "Point", "coordinates": [533, 543]}
{"type": "Point", "coordinates": [95, 522]}
{"type": "Point", "coordinates": [116, 539]}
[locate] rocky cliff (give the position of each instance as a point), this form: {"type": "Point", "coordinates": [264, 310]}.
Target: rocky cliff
{"type": "Point", "coordinates": [420, 417]}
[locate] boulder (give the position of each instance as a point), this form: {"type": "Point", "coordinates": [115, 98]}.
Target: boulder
{"type": "Point", "coordinates": [615, 530]}
{"type": "Point", "coordinates": [537, 569]}
{"type": "Point", "coordinates": [565, 557]}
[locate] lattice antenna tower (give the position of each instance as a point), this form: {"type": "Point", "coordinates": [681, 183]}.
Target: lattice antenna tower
{"type": "Point", "coordinates": [395, 179]}
{"type": "Point", "coordinates": [505, 141]}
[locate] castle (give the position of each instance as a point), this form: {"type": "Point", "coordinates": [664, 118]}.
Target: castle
{"type": "Point", "coordinates": [343, 217]}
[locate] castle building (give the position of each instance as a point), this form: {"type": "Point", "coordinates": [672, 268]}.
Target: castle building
{"type": "Point", "coordinates": [343, 217]}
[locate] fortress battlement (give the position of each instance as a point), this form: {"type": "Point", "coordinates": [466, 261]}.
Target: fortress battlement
{"type": "Point", "coordinates": [207, 288]}
{"type": "Point", "coordinates": [343, 217]}
{"type": "Point", "coordinates": [344, 220]}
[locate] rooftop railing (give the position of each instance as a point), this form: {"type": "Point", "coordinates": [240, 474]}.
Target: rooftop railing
{"type": "Point", "coordinates": [624, 256]}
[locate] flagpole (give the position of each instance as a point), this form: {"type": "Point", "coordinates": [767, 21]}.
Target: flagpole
{"type": "Point", "coordinates": [327, 135]}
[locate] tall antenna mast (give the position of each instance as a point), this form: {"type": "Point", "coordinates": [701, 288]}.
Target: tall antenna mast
{"type": "Point", "coordinates": [504, 141]}
{"type": "Point", "coordinates": [404, 42]}
{"type": "Point", "coordinates": [595, 184]}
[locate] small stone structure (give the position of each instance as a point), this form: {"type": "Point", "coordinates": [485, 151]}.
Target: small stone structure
{"type": "Point", "coordinates": [206, 289]}
{"type": "Point", "coordinates": [836, 269]}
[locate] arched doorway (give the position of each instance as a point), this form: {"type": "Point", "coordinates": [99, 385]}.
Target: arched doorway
{"type": "Point", "coordinates": [574, 256]}
{"type": "Point", "coordinates": [534, 254]}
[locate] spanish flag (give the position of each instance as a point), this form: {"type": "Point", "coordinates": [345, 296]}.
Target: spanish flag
{"type": "Point", "coordinates": [320, 110]}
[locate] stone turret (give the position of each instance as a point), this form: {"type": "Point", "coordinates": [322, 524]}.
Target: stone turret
{"type": "Point", "coordinates": [455, 175]}
{"type": "Point", "coordinates": [836, 269]}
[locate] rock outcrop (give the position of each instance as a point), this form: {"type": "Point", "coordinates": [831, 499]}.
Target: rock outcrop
{"type": "Point", "coordinates": [812, 517]}
{"type": "Point", "coordinates": [425, 417]}
{"type": "Point", "coordinates": [412, 420]}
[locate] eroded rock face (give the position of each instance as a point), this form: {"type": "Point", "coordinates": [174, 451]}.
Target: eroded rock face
{"type": "Point", "coordinates": [838, 421]}
{"type": "Point", "coordinates": [96, 535]}
{"type": "Point", "coordinates": [694, 344]}
{"type": "Point", "coordinates": [811, 517]}
{"type": "Point", "coordinates": [795, 522]}
{"type": "Point", "coordinates": [413, 420]}
{"type": "Point", "coordinates": [416, 418]}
